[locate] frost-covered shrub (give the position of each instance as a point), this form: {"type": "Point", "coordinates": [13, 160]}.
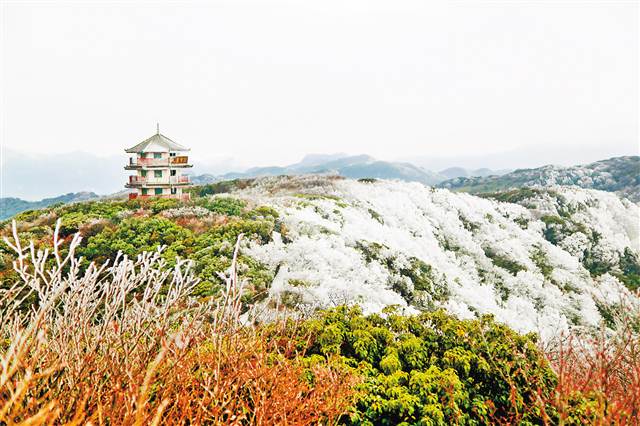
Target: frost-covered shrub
{"type": "Point", "coordinates": [525, 281]}
{"type": "Point", "coordinates": [412, 278]}
{"type": "Point", "coordinates": [186, 212]}
{"type": "Point", "coordinates": [290, 299]}
{"type": "Point", "coordinates": [124, 214]}
{"type": "Point", "coordinates": [424, 279]}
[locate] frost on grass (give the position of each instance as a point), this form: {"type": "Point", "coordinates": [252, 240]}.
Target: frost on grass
{"type": "Point", "coordinates": [424, 248]}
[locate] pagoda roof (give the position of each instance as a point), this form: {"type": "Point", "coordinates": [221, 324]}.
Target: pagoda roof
{"type": "Point", "coordinates": [155, 142]}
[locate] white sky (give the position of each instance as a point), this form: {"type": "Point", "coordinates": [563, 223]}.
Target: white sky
{"type": "Point", "coordinates": [266, 82]}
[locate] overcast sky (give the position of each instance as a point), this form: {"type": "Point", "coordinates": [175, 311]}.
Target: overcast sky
{"type": "Point", "coordinates": [265, 82]}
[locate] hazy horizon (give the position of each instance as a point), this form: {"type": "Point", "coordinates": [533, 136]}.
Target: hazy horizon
{"type": "Point", "coordinates": [34, 177]}
{"type": "Point", "coordinates": [252, 83]}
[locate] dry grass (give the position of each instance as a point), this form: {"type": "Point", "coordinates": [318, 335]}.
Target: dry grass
{"type": "Point", "coordinates": [125, 344]}
{"type": "Point", "coordinates": [599, 377]}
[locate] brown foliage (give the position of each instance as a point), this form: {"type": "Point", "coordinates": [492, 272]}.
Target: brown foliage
{"type": "Point", "coordinates": [599, 376]}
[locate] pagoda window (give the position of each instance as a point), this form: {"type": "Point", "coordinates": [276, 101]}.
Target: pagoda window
{"type": "Point", "coordinates": [157, 173]}
{"type": "Point", "coordinates": [158, 191]}
{"type": "Point", "coordinates": [145, 191]}
{"type": "Point", "coordinates": [173, 172]}
{"type": "Point", "coordinates": [157, 155]}
{"type": "Point", "coordinates": [143, 173]}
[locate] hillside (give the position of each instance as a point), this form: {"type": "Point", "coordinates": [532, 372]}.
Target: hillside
{"type": "Point", "coordinates": [544, 267]}
{"type": "Point", "coordinates": [618, 174]}
{"type": "Point", "coordinates": [384, 285]}
{"type": "Point", "coordinates": [543, 261]}
{"type": "Point", "coordinates": [12, 206]}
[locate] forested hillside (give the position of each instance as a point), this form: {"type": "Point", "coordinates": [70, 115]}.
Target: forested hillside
{"type": "Point", "coordinates": [404, 303]}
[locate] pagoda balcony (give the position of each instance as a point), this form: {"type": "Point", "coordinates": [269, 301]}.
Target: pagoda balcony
{"type": "Point", "coordinates": [181, 197]}
{"type": "Point", "coordinates": [138, 181]}
{"type": "Point", "coordinates": [177, 161]}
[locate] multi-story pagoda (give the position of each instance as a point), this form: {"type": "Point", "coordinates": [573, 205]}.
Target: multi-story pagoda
{"type": "Point", "coordinates": [159, 168]}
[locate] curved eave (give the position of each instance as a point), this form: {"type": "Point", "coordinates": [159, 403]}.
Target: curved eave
{"type": "Point", "coordinates": [158, 139]}
{"type": "Point", "coordinates": [135, 150]}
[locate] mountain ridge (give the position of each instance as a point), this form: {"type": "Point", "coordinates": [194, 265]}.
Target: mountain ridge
{"type": "Point", "coordinates": [617, 174]}
{"type": "Point", "coordinates": [351, 166]}
{"type": "Point", "coordinates": [10, 206]}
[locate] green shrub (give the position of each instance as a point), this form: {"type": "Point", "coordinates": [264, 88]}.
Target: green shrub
{"type": "Point", "coordinates": [376, 216]}
{"type": "Point", "coordinates": [160, 204]}
{"type": "Point", "coordinates": [71, 222]}
{"type": "Point", "coordinates": [540, 259]}
{"type": "Point", "coordinates": [595, 265]}
{"type": "Point", "coordinates": [227, 206]}
{"type": "Point", "coordinates": [136, 235]}
{"type": "Point", "coordinates": [28, 215]}
{"type": "Point", "coordinates": [433, 368]}
{"type": "Point", "coordinates": [95, 209]}
{"type": "Point", "coordinates": [219, 187]}
{"type": "Point", "coordinates": [504, 262]}
{"type": "Point", "coordinates": [262, 212]}
{"type": "Point", "coordinates": [295, 282]}
{"type": "Point", "coordinates": [513, 196]}
{"type": "Point", "coordinates": [629, 270]}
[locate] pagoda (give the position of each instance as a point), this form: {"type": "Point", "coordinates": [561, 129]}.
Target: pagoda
{"type": "Point", "coordinates": [159, 164]}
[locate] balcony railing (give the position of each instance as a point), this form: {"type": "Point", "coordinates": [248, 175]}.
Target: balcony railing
{"type": "Point", "coordinates": [181, 197]}
{"type": "Point", "coordinates": [146, 180]}
{"type": "Point", "coordinates": [181, 160]}
{"type": "Point", "coordinates": [179, 179]}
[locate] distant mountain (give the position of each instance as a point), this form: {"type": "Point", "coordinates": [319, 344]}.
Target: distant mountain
{"type": "Point", "coordinates": [454, 172]}
{"type": "Point", "coordinates": [356, 167]}
{"type": "Point", "coordinates": [618, 174]}
{"type": "Point", "coordinates": [12, 206]}
{"type": "Point", "coordinates": [38, 176]}
{"type": "Point", "coordinates": [311, 160]}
